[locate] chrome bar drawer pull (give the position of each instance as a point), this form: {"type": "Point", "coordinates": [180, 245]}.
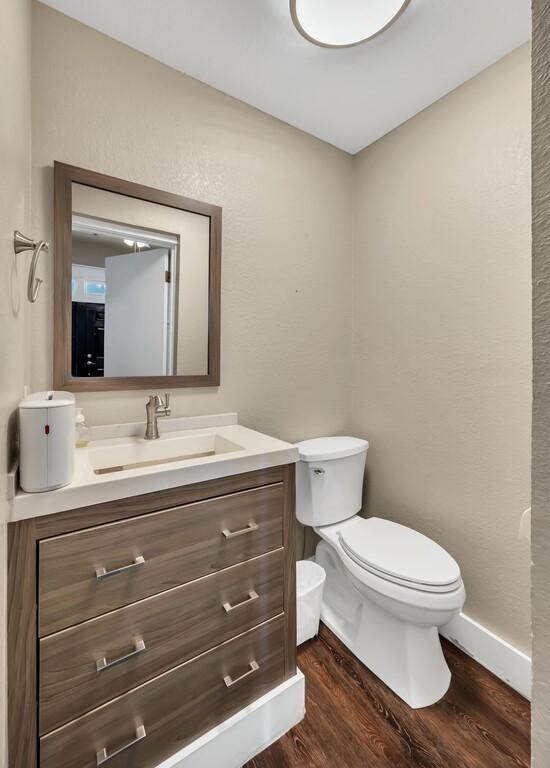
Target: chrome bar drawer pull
{"type": "Point", "coordinates": [254, 667]}
{"type": "Point", "coordinates": [252, 526]}
{"type": "Point", "coordinates": [139, 647]}
{"type": "Point", "coordinates": [252, 595]}
{"type": "Point", "coordinates": [103, 573]}
{"type": "Point", "coordinates": [103, 756]}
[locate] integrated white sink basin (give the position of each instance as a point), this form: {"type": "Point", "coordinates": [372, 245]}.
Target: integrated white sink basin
{"type": "Point", "coordinates": [119, 463]}
{"type": "Point", "coordinates": [136, 453]}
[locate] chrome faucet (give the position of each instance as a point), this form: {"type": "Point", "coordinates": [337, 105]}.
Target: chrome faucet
{"type": "Point", "coordinates": [155, 407]}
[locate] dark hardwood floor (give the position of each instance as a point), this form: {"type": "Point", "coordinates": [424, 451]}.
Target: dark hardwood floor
{"type": "Point", "coordinates": [354, 721]}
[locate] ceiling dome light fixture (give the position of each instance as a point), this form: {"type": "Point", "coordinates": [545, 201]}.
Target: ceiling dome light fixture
{"type": "Point", "coordinates": [343, 23]}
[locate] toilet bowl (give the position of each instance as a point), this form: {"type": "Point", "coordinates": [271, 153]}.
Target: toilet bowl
{"type": "Point", "coordinates": [388, 588]}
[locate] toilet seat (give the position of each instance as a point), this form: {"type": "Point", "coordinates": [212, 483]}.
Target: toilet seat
{"type": "Point", "coordinates": [398, 554]}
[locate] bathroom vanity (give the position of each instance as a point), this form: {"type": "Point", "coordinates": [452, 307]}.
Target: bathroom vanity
{"type": "Point", "coordinates": [150, 605]}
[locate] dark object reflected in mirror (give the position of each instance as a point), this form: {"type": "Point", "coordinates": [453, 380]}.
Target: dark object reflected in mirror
{"type": "Point", "coordinates": [87, 340]}
{"type": "Point", "coordinates": [137, 285]}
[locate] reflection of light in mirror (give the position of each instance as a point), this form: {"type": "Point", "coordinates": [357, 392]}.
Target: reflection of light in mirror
{"type": "Point", "coordinates": [137, 245]}
{"type": "Point", "coordinates": [343, 23]}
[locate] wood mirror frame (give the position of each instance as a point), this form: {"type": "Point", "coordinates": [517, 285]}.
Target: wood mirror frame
{"type": "Point", "coordinates": [64, 177]}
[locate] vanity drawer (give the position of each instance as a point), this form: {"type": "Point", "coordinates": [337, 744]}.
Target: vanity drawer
{"type": "Point", "coordinates": [174, 708]}
{"type": "Point", "coordinates": [173, 627]}
{"type": "Point", "coordinates": [91, 572]}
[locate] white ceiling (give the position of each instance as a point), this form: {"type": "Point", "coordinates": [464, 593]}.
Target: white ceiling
{"type": "Point", "coordinates": [348, 97]}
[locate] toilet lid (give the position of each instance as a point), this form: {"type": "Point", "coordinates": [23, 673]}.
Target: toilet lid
{"type": "Point", "coordinates": [396, 552]}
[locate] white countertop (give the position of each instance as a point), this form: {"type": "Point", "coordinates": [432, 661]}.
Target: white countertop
{"type": "Point", "coordinates": [258, 451]}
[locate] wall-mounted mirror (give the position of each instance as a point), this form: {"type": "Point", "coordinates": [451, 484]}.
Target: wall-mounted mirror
{"type": "Point", "coordinates": [137, 285]}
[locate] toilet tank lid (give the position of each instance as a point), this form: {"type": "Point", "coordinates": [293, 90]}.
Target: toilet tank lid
{"type": "Point", "coordinates": [325, 448]}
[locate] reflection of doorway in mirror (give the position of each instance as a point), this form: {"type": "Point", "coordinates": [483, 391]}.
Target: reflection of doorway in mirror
{"type": "Point", "coordinates": [124, 283]}
{"type": "Point", "coordinates": [137, 312]}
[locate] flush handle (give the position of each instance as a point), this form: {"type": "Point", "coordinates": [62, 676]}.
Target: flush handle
{"type": "Point", "coordinates": [252, 526]}
{"type": "Point", "coordinates": [252, 595]}
{"type": "Point", "coordinates": [103, 573]}
{"type": "Point", "coordinates": [254, 667]}
{"type": "Point", "coordinates": [103, 756]}
{"type": "Point", "coordinates": [318, 471]}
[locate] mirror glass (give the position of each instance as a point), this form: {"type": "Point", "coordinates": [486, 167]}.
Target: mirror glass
{"type": "Point", "coordinates": [139, 287]}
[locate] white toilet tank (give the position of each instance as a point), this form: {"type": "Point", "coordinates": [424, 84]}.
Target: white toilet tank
{"type": "Point", "coordinates": [329, 479]}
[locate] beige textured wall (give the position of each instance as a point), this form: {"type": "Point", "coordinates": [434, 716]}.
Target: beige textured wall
{"type": "Point", "coordinates": [441, 333]}
{"type": "Point", "coordinates": [541, 404]}
{"type": "Point", "coordinates": [286, 198]}
{"type": "Point", "coordinates": [14, 214]}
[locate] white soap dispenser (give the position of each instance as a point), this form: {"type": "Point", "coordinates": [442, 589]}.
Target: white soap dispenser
{"type": "Point", "coordinates": [82, 433]}
{"type": "Point", "coordinates": [46, 437]}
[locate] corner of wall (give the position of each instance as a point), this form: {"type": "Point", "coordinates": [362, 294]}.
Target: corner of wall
{"type": "Point", "coordinates": [541, 388]}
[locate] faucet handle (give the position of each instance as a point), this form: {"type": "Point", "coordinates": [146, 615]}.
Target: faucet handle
{"type": "Point", "coordinates": [165, 405]}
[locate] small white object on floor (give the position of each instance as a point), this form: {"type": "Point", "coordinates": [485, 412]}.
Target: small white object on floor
{"type": "Point", "coordinates": [310, 580]}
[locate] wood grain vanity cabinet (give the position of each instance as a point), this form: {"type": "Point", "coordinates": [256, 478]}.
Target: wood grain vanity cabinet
{"type": "Point", "coordinates": [136, 625]}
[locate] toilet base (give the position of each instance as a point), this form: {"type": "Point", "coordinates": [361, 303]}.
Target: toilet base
{"type": "Point", "coordinates": [408, 658]}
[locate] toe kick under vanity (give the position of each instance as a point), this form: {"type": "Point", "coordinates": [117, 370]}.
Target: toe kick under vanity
{"type": "Point", "coordinates": [152, 610]}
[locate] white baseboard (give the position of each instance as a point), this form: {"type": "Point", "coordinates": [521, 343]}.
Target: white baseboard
{"type": "Point", "coordinates": [492, 652]}
{"type": "Point", "coordinates": [247, 733]}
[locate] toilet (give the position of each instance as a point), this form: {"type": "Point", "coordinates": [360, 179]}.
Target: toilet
{"type": "Point", "coordinates": [388, 588]}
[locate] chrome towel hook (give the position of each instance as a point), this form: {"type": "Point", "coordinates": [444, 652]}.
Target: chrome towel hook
{"type": "Point", "coordinates": [22, 243]}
